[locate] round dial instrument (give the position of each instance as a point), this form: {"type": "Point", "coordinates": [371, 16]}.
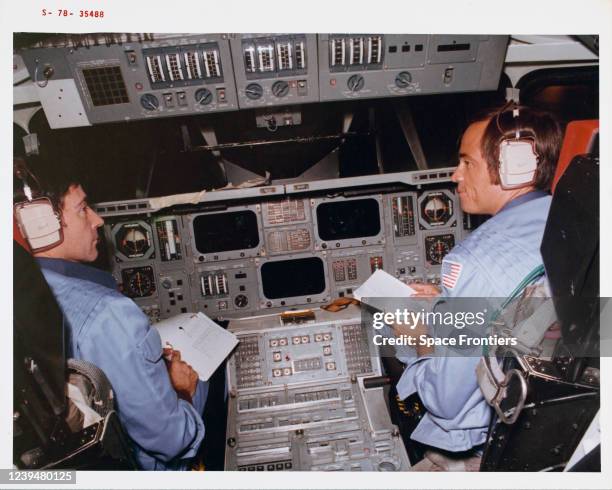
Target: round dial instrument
{"type": "Point", "coordinates": [133, 240]}
{"type": "Point", "coordinates": [437, 246]}
{"type": "Point", "coordinates": [253, 91]}
{"type": "Point", "coordinates": [203, 96]}
{"type": "Point", "coordinates": [241, 301]}
{"type": "Point", "coordinates": [437, 209]}
{"type": "Point", "coordinates": [138, 282]}
{"type": "Point", "coordinates": [149, 102]}
{"type": "Point", "coordinates": [280, 88]}
{"type": "Point", "coordinates": [355, 83]}
{"type": "Point", "coordinates": [403, 79]}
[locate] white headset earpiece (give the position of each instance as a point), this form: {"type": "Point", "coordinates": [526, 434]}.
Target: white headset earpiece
{"type": "Point", "coordinates": [37, 220]}
{"type": "Point", "coordinates": [518, 159]}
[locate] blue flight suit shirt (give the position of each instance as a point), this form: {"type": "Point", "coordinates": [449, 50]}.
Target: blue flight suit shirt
{"type": "Point", "coordinates": [490, 263]}
{"type": "Point", "coordinates": [109, 330]}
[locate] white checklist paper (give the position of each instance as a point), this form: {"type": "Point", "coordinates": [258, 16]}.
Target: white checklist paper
{"type": "Point", "coordinates": [383, 285]}
{"type": "Point", "coordinates": [202, 342]}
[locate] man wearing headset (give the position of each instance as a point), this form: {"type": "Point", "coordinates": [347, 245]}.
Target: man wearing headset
{"type": "Point", "coordinates": [507, 160]}
{"type": "Point", "coordinates": [158, 398]}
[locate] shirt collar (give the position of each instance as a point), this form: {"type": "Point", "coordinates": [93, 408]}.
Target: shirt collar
{"type": "Point", "coordinates": [78, 271]}
{"type": "Point", "coordinates": [523, 198]}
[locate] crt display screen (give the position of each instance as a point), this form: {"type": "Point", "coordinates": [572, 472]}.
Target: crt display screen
{"type": "Point", "coordinates": [289, 278]}
{"type": "Point", "coordinates": [223, 232]}
{"type": "Point", "coordinates": [348, 219]}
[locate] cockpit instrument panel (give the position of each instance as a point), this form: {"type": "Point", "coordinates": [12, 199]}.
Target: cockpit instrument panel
{"type": "Point", "coordinates": [90, 79]}
{"type": "Point", "coordinates": [275, 69]}
{"type": "Point", "coordinates": [298, 401]}
{"type": "Point", "coordinates": [280, 252]}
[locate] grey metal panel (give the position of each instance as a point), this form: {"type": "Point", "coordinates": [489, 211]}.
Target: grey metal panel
{"type": "Point", "coordinates": [177, 98]}
{"type": "Point", "coordinates": [303, 84]}
{"type": "Point", "coordinates": [282, 417]}
{"type": "Point", "coordinates": [62, 104]}
{"type": "Point", "coordinates": [419, 62]}
{"type": "Point", "coordinates": [145, 206]}
{"type": "Point", "coordinates": [345, 267]}
{"type": "Point", "coordinates": [413, 178]}
{"type": "Point", "coordinates": [444, 49]}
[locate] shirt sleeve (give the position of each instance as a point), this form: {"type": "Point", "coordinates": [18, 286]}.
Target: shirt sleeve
{"type": "Point", "coordinates": [446, 381]}
{"type": "Point", "coordinates": [117, 338]}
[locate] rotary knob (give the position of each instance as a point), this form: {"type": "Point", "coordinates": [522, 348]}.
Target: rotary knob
{"type": "Point", "coordinates": [203, 96]}
{"type": "Point", "coordinates": [280, 88]}
{"type": "Point", "coordinates": [355, 83]}
{"type": "Point", "coordinates": [149, 102]}
{"type": "Point", "coordinates": [241, 301]}
{"type": "Point", "coordinates": [253, 91]}
{"type": "Point", "coordinates": [403, 79]}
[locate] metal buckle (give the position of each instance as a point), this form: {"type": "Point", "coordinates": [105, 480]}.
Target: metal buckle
{"type": "Point", "coordinates": [513, 383]}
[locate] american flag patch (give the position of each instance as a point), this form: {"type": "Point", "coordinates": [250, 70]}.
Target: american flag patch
{"type": "Point", "coordinates": [451, 271]}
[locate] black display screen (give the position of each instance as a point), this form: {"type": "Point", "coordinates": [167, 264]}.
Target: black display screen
{"type": "Point", "coordinates": [348, 219]}
{"type": "Point", "coordinates": [223, 232]}
{"type": "Point", "coordinates": [289, 278]}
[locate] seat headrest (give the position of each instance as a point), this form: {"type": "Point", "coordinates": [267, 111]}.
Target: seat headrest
{"type": "Point", "coordinates": [578, 140]}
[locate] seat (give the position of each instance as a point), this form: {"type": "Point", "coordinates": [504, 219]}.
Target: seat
{"type": "Point", "coordinates": [562, 393]}
{"type": "Point", "coordinates": [42, 434]}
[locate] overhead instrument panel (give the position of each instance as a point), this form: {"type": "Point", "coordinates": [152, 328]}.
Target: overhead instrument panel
{"type": "Point", "coordinates": [164, 75]}
{"type": "Point", "coordinates": [298, 400]}
{"type": "Point", "coordinates": [374, 65]}
{"type": "Point", "coordinates": [275, 69]}
{"type": "Point", "coordinates": [133, 241]}
{"type": "Point", "coordinates": [341, 222]}
{"type": "Point", "coordinates": [95, 78]}
{"type": "Point", "coordinates": [437, 209]}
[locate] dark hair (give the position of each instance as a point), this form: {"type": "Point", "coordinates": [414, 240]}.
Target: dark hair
{"type": "Point", "coordinates": [503, 125]}
{"type": "Point", "coordinates": [52, 183]}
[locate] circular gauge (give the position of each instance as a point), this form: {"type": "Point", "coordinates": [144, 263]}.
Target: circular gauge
{"type": "Point", "coordinates": [133, 240]}
{"type": "Point", "coordinates": [403, 79]}
{"type": "Point", "coordinates": [280, 88]}
{"type": "Point", "coordinates": [149, 102]}
{"type": "Point", "coordinates": [138, 282]}
{"type": "Point", "coordinates": [241, 301]}
{"type": "Point", "coordinates": [253, 91]}
{"type": "Point", "coordinates": [355, 83]}
{"type": "Point", "coordinates": [203, 96]}
{"type": "Point", "coordinates": [437, 246]}
{"type": "Point", "coordinates": [436, 209]}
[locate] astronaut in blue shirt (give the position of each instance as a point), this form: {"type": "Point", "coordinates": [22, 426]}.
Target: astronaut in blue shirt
{"type": "Point", "coordinates": [506, 164]}
{"type": "Point", "coordinates": [159, 400]}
